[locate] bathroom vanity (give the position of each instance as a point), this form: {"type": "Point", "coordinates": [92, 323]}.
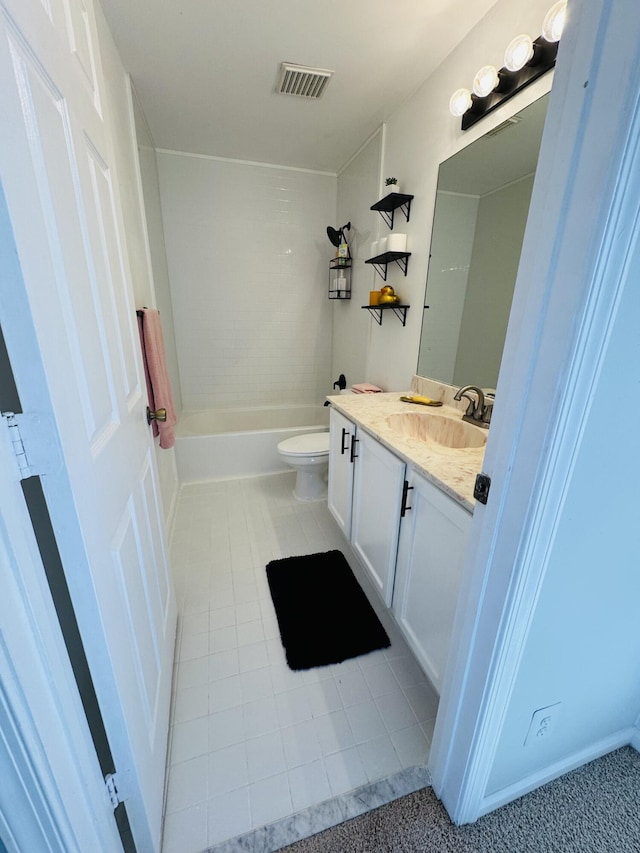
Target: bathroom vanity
{"type": "Point", "coordinates": [405, 502]}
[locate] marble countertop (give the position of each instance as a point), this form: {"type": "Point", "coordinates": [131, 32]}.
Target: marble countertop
{"type": "Point", "coordinates": [452, 470]}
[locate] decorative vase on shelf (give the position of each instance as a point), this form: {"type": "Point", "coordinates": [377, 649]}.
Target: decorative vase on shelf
{"type": "Point", "coordinates": [392, 188]}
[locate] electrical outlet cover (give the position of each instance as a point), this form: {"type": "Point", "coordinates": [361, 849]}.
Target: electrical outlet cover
{"type": "Point", "coordinates": [543, 723]}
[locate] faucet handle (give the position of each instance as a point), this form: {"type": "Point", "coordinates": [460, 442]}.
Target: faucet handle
{"type": "Point", "coordinates": [471, 408]}
{"type": "Point", "coordinates": [488, 409]}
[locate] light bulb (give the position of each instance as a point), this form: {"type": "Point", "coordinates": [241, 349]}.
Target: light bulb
{"type": "Point", "coordinates": [460, 102]}
{"type": "Point", "coordinates": [553, 23]}
{"type": "Point", "coordinates": [519, 51]}
{"type": "Point", "coordinates": [485, 81]}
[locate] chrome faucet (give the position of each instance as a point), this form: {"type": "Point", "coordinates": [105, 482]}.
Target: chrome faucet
{"type": "Point", "coordinates": [480, 407]}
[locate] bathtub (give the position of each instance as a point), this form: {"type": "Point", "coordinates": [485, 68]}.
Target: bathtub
{"type": "Point", "coordinates": [223, 443]}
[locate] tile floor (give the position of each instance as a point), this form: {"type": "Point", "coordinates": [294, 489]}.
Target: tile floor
{"type": "Point", "coordinates": [252, 741]}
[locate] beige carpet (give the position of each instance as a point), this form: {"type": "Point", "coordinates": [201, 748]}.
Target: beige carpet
{"type": "Point", "coordinates": [595, 809]}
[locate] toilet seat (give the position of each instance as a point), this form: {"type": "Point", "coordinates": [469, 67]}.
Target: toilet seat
{"type": "Point", "coordinates": [311, 444]}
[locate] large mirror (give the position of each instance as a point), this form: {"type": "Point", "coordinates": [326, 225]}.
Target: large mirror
{"type": "Point", "coordinates": [482, 203]}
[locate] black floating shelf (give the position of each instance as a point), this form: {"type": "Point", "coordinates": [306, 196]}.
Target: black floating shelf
{"type": "Point", "coordinates": [380, 262]}
{"type": "Point", "coordinates": [376, 312]}
{"type": "Point", "coordinates": [387, 206]}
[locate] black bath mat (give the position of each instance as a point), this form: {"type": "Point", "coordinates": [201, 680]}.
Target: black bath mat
{"type": "Point", "coordinates": [323, 614]}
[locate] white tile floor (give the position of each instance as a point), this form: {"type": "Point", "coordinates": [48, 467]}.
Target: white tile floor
{"type": "Point", "coordinates": [252, 741]}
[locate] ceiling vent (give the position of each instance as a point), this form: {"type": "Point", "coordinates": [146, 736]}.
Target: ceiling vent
{"type": "Point", "coordinates": [302, 81]}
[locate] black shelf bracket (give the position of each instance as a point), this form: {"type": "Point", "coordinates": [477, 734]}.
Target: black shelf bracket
{"type": "Point", "coordinates": [388, 205]}
{"type": "Point", "coordinates": [380, 262]}
{"type": "Point", "coordinates": [376, 312]}
{"type": "Point", "coordinates": [381, 269]}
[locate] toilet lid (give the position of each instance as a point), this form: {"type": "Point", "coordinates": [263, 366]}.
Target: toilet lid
{"type": "Point", "coordinates": [315, 443]}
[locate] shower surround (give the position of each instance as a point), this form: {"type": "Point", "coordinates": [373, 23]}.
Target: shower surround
{"type": "Point", "coordinates": [248, 257]}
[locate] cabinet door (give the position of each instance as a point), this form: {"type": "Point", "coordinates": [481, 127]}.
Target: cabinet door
{"type": "Point", "coordinates": [379, 477]}
{"type": "Point", "coordinates": [433, 541]}
{"type": "Point", "coordinates": [341, 435]}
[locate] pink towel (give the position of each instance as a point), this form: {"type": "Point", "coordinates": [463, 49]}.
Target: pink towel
{"type": "Point", "coordinates": [365, 388]}
{"type": "Point", "coordinates": [156, 375]}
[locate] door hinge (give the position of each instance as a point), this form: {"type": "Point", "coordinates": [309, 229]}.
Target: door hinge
{"type": "Point", "coordinates": [481, 489]}
{"type": "Point", "coordinates": [33, 441]}
{"type": "Point", "coordinates": [111, 784]}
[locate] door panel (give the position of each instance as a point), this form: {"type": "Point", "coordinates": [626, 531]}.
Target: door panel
{"type": "Point", "coordinates": [45, 114]}
{"type": "Point", "coordinates": [81, 46]}
{"type": "Point", "coordinates": [111, 279]}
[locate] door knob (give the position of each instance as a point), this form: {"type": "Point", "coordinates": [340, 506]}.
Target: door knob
{"type": "Point", "coordinates": [158, 415]}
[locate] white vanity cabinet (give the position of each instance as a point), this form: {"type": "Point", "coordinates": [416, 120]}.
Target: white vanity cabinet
{"type": "Point", "coordinates": [409, 535]}
{"type": "Point", "coordinates": [433, 540]}
{"type": "Point", "coordinates": [365, 491]}
{"type": "Point", "coordinates": [377, 495]}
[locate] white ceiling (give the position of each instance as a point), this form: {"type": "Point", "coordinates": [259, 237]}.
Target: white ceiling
{"type": "Point", "coordinates": [205, 70]}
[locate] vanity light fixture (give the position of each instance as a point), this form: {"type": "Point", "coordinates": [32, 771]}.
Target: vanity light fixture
{"type": "Point", "coordinates": [524, 61]}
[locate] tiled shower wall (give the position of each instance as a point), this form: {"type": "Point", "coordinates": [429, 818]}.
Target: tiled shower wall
{"type": "Point", "coordinates": [248, 261]}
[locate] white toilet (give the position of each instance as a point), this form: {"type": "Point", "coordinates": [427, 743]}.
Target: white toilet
{"type": "Point", "coordinates": [309, 455]}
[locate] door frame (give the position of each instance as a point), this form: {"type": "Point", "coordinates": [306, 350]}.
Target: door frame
{"type": "Point", "coordinates": [572, 272]}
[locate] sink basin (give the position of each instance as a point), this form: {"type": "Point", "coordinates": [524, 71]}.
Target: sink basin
{"type": "Point", "coordinates": [438, 429]}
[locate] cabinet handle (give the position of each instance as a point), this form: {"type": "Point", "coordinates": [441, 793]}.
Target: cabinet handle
{"type": "Point", "coordinates": [343, 449]}
{"type": "Point", "coordinates": [405, 491]}
{"type": "Point", "coordinates": [354, 441]}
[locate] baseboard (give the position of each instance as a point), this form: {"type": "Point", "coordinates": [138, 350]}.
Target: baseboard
{"type": "Point", "coordinates": [624, 737]}
{"type": "Point", "coordinates": [635, 738]}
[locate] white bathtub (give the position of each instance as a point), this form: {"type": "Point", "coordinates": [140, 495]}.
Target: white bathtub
{"type": "Point", "coordinates": [223, 443]}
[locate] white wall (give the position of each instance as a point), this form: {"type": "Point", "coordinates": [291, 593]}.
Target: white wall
{"type": "Point", "coordinates": [248, 260]}
{"type": "Point", "coordinates": [583, 647]}
{"type": "Point", "coordinates": [419, 136]}
{"type": "Point", "coordinates": [358, 188]}
{"type": "Point", "coordinates": [123, 135]}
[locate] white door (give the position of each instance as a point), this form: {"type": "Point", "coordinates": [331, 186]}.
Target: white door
{"type": "Point", "coordinates": [377, 498]}
{"type": "Point", "coordinates": [71, 334]}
